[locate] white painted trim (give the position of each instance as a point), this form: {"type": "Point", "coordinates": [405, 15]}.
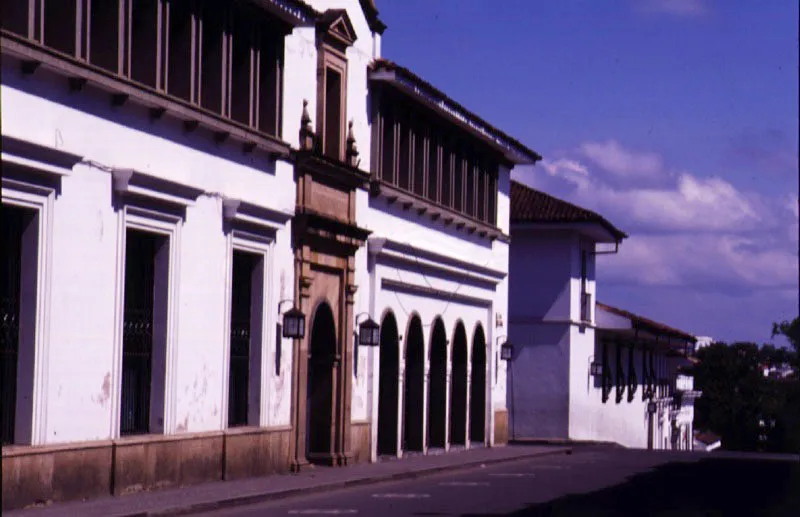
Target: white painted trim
{"type": "Point", "coordinates": [129, 181]}
{"type": "Point", "coordinates": [384, 247]}
{"type": "Point", "coordinates": [42, 199]}
{"type": "Point", "coordinates": [37, 157]}
{"type": "Point", "coordinates": [236, 210]}
{"type": "Point", "coordinates": [258, 245]}
{"type": "Point", "coordinates": [170, 226]}
{"type": "Point", "coordinates": [36, 165]}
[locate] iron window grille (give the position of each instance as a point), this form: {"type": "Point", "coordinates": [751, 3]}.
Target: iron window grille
{"type": "Point", "coordinates": [632, 380]}
{"type": "Point", "coordinates": [620, 377]}
{"type": "Point", "coordinates": [607, 380]}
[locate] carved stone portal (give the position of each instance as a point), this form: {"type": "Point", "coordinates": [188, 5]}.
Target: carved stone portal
{"type": "Point", "coordinates": [325, 240]}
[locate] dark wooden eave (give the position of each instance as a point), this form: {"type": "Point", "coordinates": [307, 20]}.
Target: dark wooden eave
{"type": "Point", "coordinates": [408, 201]}
{"type": "Point", "coordinates": [293, 12]}
{"type": "Point", "coordinates": [371, 14]}
{"type": "Point", "coordinates": [336, 171]}
{"type": "Point", "coordinates": [423, 92]}
{"type": "Point", "coordinates": [648, 325]}
{"type": "Point", "coordinates": [156, 101]}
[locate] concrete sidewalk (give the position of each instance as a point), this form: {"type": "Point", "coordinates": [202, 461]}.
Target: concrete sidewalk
{"type": "Point", "coordinates": [222, 494]}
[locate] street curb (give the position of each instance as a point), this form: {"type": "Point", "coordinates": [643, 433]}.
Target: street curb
{"type": "Point", "coordinates": [246, 500]}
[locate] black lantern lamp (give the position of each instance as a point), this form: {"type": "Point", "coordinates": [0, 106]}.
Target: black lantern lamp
{"type": "Point", "coordinates": [369, 333]}
{"type": "Point", "coordinates": [506, 351]}
{"type": "Point", "coordinates": [652, 407]}
{"type": "Point", "coordinates": [596, 369]}
{"type": "Point", "coordinates": [294, 322]}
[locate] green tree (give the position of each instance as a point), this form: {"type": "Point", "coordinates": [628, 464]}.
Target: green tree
{"type": "Point", "coordinates": [733, 389]}
{"type": "Point", "coordinates": [791, 331]}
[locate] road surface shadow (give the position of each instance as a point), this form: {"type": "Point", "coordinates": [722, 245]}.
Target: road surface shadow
{"type": "Point", "coordinates": [712, 487]}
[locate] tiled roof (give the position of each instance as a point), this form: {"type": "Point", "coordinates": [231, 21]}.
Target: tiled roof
{"type": "Point", "coordinates": [648, 324]}
{"type": "Point", "coordinates": [440, 97]}
{"type": "Point", "coordinates": [533, 206]}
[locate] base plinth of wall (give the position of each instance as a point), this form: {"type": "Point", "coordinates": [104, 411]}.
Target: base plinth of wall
{"type": "Point", "coordinates": [253, 452]}
{"type": "Point", "coordinates": [501, 427]}
{"type": "Point", "coordinates": [360, 442]}
{"type": "Point", "coordinates": [39, 475]}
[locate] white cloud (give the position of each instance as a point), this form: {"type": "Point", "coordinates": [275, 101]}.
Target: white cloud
{"type": "Point", "coordinates": [793, 206]}
{"type": "Point", "coordinates": [570, 170]}
{"type": "Point", "coordinates": [704, 262]}
{"type": "Point", "coordinates": [692, 204]}
{"type": "Point", "coordinates": [692, 232]}
{"type": "Point", "coordinates": [612, 157]}
{"type": "Point", "coordinates": [688, 8]}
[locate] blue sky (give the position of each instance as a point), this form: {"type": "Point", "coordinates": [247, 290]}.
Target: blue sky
{"type": "Point", "coordinates": [676, 119]}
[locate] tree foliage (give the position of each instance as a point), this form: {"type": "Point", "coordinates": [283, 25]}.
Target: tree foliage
{"type": "Point", "coordinates": [737, 398]}
{"type": "Point", "coordinates": [791, 331]}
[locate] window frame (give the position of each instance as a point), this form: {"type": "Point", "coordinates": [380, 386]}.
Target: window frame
{"type": "Point", "coordinates": [136, 217]}
{"type": "Point", "coordinates": [335, 60]}
{"type": "Point", "coordinates": [31, 417]}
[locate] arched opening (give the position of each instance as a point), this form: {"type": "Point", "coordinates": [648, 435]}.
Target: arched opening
{"type": "Point", "coordinates": [458, 388]}
{"type": "Point", "coordinates": [437, 386]}
{"type": "Point", "coordinates": [414, 398]}
{"type": "Point", "coordinates": [320, 384]}
{"type": "Point", "coordinates": [388, 373]}
{"type": "Point", "coordinates": [477, 407]}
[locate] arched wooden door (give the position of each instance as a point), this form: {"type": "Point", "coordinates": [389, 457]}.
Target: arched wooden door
{"type": "Point", "coordinates": [477, 408]}
{"type": "Point", "coordinates": [319, 404]}
{"type": "Point", "coordinates": [458, 388]}
{"type": "Point", "coordinates": [414, 396]}
{"type": "Point", "coordinates": [388, 377]}
{"type": "Point", "coordinates": [437, 386]}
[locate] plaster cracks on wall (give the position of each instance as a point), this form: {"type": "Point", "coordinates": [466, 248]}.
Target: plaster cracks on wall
{"type": "Point", "coordinates": [100, 225]}
{"type": "Point", "coordinates": [196, 395]}
{"type": "Point", "coordinates": [279, 385]}
{"type": "Point", "coordinates": [105, 392]}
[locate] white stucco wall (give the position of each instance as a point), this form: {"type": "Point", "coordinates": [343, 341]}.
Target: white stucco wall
{"type": "Point", "coordinates": [86, 232]}
{"type": "Point", "coordinates": [538, 382]}
{"type": "Point", "coordinates": [544, 307]}
{"type": "Point", "coordinates": [552, 394]}
{"type": "Point", "coordinates": [623, 422]}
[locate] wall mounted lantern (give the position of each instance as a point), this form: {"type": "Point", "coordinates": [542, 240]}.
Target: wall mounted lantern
{"type": "Point", "coordinates": [369, 332]}
{"type": "Point", "coordinates": [506, 351]}
{"type": "Point", "coordinates": [596, 369]}
{"type": "Point", "coordinates": [294, 322]}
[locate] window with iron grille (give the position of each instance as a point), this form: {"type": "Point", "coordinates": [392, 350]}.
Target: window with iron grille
{"type": "Point", "coordinates": [142, 290]}
{"type": "Point", "coordinates": [244, 279]}
{"type": "Point", "coordinates": [12, 224]}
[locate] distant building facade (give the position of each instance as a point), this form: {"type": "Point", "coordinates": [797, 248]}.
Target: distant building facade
{"type": "Point", "coordinates": [583, 370]}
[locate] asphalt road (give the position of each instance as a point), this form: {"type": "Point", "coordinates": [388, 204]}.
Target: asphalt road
{"type": "Point", "coordinates": [591, 481]}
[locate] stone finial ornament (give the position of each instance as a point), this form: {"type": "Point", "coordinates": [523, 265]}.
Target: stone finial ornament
{"type": "Point", "coordinates": [307, 135]}
{"type": "Point", "coordinates": [352, 148]}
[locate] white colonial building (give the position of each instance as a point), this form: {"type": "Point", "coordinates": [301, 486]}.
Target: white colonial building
{"type": "Point", "coordinates": [177, 176]}
{"type": "Point", "coordinates": [582, 370]}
